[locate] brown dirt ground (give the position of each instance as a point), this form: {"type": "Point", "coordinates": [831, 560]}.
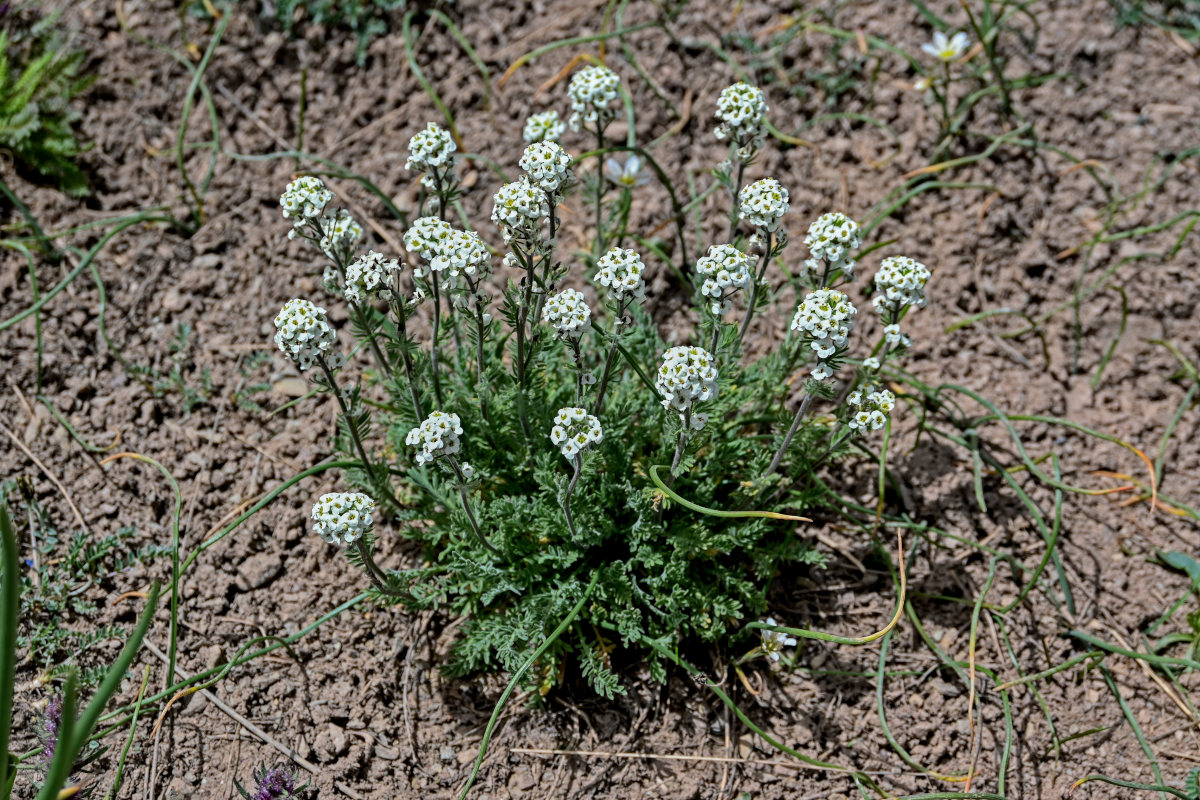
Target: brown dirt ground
{"type": "Point", "coordinates": [365, 701]}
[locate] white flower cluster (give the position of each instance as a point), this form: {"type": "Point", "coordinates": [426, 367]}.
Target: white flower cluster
{"type": "Point", "coordinates": [900, 282]}
{"type": "Point", "coordinates": [518, 208]}
{"type": "Point", "coordinates": [547, 165]}
{"type": "Point", "coordinates": [430, 149]}
{"type": "Point", "coordinates": [773, 642]}
{"type": "Point", "coordinates": [343, 517]}
{"type": "Point", "coordinates": [339, 234]}
{"type": "Point", "coordinates": [568, 312]}
{"type": "Point", "coordinates": [869, 407]}
{"type": "Point", "coordinates": [830, 239]}
{"type": "Point", "coordinates": [459, 252]}
{"type": "Point", "coordinates": [575, 430]}
{"type": "Point", "coordinates": [591, 91]}
{"type": "Point", "coordinates": [825, 318]}
{"type": "Point", "coordinates": [544, 127]}
{"type": "Point", "coordinates": [741, 109]}
{"type": "Point", "coordinates": [436, 437]}
{"type": "Point", "coordinates": [424, 237]}
{"type": "Point", "coordinates": [303, 333]}
{"type": "Point", "coordinates": [688, 375]}
{"type": "Point", "coordinates": [303, 201]}
{"type": "Point", "coordinates": [369, 277]}
{"type": "Point", "coordinates": [763, 203]}
{"type": "Point", "coordinates": [620, 269]}
{"type": "Point", "coordinates": [726, 270]}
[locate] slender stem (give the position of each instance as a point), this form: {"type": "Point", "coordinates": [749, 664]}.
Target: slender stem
{"type": "Point", "coordinates": [578, 356]}
{"type": "Point", "coordinates": [384, 364]}
{"type": "Point", "coordinates": [716, 336]}
{"type": "Point", "coordinates": [578, 464]}
{"type": "Point", "coordinates": [377, 481]}
{"type": "Point", "coordinates": [734, 215]}
{"type": "Point", "coordinates": [445, 184]}
{"type": "Point", "coordinates": [683, 440]}
{"type": "Point", "coordinates": [402, 326]}
{"type": "Point", "coordinates": [480, 388]}
{"type": "Point", "coordinates": [466, 504]}
{"type": "Point", "coordinates": [769, 238]}
{"type": "Point", "coordinates": [608, 362]}
{"type": "Point", "coordinates": [377, 575]}
{"type": "Point", "coordinates": [437, 317]}
{"type": "Point", "coordinates": [787, 440]}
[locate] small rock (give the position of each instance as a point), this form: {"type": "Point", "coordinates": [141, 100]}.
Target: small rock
{"type": "Point", "coordinates": [211, 656]}
{"type": "Point", "coordinates": [258, 570]}
{"type": "Point", "coordinates": [331, 743]}
{"type": "Point", "coordinates": [386, 753]}
{"type": "Point", "coordinates": [446, 753]}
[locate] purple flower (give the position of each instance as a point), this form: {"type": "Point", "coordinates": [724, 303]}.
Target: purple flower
{"type": "Point", "coordinates": [276, 783]}
{"type": "Point", "coordinates": [51, 725]}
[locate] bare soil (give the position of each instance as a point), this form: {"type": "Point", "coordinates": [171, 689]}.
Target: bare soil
{"type": "Point", "coordinates": [362, 697]}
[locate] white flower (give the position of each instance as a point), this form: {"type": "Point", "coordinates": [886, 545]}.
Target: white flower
{"type": "Point", "coordinates": [339, 234]}
{"type": "Point", "coordinates": [830, 239]}
{"type": "Point", "coordinates": [625, 174]}
{"type": "Point", "coordinates": [575, 430]}
{"type": "Point", "coordinates": [303, 333]}
{"type": "Point", "coordinates": [824, 319]}
{"type": "Point", "coordinates": [343, 517]}
{"type": "Point", "coordinates": [591, 91]}
{"type": "Point", "coordinates": [726, 271]}
{"type": "Point", "coordinates": [547, 165]}
{"type": "Point", "coordinates": [892, 335]}
{"type": "Point", "coordinates": [468, 472]}
{"type": "Point", "coordinates": [869, 406]}
{"type": "Point", "coordinates": [741, 109]}
{"type": "Point", "coordinates": [568, 312]}
{"type": "Point", "coordinates": [518, 208]}
{"type": "Point", "coordinates": [763, 203]}
{"type": "Point", "coordinates": [688, 375]}
{"type": "Point", "coordinates": [871, 363]}
{"type": "Point", "coordinates": [430, 149]}
{"type": "Point", "coordinates": [544, 127]}
{"type": "Point", "coordinates": [424, 237]}
{"type": "Point", "coordinates": [370, 276]}
{"type": "Point", "coordinates": [436, 437]}
{"type": "Point", "coordinates": [900, 282]}
{"type": "Point", "coordinates": [621, 271]}
{"type": "Point", "coordinates": [945, 49]}
{"type": "Point", "coordinates": [459, 252]}
{"type": "Point", "coordinates": [773, 642]}
{"type": "Point", "coordinates": [304, 200]}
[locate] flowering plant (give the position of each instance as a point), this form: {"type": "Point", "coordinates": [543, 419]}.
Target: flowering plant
{"type": "Point", "coordinates": [660, 479]}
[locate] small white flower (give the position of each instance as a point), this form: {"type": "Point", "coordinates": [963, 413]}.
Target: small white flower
{"type": "Point", "coordinates": [868, 407]}
{"type": "Point", "coordinates": [763, 203]}
{"type": "Point", "coordinates": [436, 437]}
{"type": "Point", "coordinates": [871, 363]}
{"type": "Point", "coordinates": [726, 272]}
{"type": "Point", "coordinates": [923, 84]}
{"type": "Point", "coordinates": [430, 149]}
{"type": "Point", "coordinates": [625, 174]}
{"type": "Point", "coordinates": [547, 166]}
{"type": "Point", "coordinates": [343, 517]}
{"type": "Point", "coordinates": [824, 318]}
{"type": "Point", "coordinates": [568, 312]}
{"type": "Point", "coordinates": [339, 234]}
{"type": "Point", "coordinates": [518, 208]}
{"type": "Point", "coordinates": [741, 110]}
{"type": "Point", "coordinates": [575, 430]}
{"type": "Point", "coordinates": [369, 277]}
{"type": "Point", "coordinates": [304, 200]}
{"type": "Point", "coordinates": [688, 375]}
{"type": "Point", "coordinates": [947, 49]}
{"type": "Point", "coordinates": [831, 239]}
{"type": "Point", "coordinates": [773, 642]}
{"type": "Point", "coordinates": [468, 472]}
{"type": "Point", "coordinates": [303, 333]}
{"type": "Point", "coordinates": [544, 127]}
{"type": "Point", "coordinates": [621, 271]}
{"type": "Point", "coordinates": [591, 92]}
